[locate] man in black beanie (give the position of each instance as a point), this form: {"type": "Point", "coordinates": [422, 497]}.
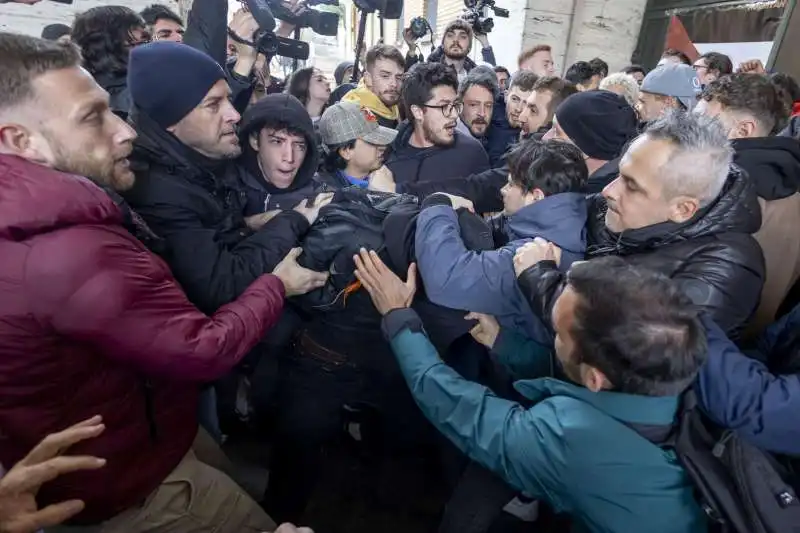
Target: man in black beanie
{"type": "Point", "coordinates": [600, 123]}
{"type": "Point", "coordinates": [185, 160]}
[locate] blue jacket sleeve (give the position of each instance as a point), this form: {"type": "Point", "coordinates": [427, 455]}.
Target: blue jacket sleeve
{"type": "Point", "coordinates": [739, 393]}
{"type": "Point", "coordinates": [523, 357]}
{"type": "Point", "coordinates": [522, 446]}
{"type": "Point", "coordinates": [458, 278]}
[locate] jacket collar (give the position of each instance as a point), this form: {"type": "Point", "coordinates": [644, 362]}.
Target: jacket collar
{"type": "Point", "coordinates": [560, 218]}
{"type": "Point", "coordinates": [735, 210]}
{"type": "Point", "coordinates": [35, 199]}
{"type": "Point", "coordinates": [627, 408]}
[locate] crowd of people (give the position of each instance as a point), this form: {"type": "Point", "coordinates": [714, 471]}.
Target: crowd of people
{"type": "Point", "coordinates": [514, 274]}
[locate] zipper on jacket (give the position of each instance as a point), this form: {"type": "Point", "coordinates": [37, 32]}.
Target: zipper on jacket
{"type": "Point", "coordinates": [149, 411]}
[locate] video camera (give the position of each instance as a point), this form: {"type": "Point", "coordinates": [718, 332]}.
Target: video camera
{"type": "Point", "coordinates": [321, 22]}
{"type": "Point", "coordinates": [475, 17]}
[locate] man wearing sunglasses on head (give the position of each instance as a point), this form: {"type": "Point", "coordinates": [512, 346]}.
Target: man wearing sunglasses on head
{"type": "Point", "coordinates": [428, 146]}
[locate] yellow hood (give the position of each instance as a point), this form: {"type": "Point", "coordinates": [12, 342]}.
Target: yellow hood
{"type": "Point", "coordinates": [367, 98]}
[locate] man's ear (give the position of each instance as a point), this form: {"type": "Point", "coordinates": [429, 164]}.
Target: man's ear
{"type": "Point", "coordinates": [533, 196]}
{"type": "Point", "coordinates": [17, 140]}
{"type": "Point", "coordinates": [417, 113]}
{"type": "Point", "coordinates": [745, 129]}
{"type": "Point", "coordinates": [254, 141]}
{"type": "Point", "coordinates": [346, 153]}
{"type": "Point", "coordinates": [683, 208]}
{"type": "Point", "coordinates": [593, 379]}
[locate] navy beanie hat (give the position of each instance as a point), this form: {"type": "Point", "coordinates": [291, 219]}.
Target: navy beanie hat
{"type": "Point", "coordinates": [168, 80]}
{"type": "Point", "coordinates": [600, 123]}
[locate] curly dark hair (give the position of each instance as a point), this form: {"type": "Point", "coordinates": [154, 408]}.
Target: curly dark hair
{"type": "Point", "coordinates": [421, 80]}
{"type": "Point", "coordinates": [719, 62]}
{"type": "Point", "coordinates": [750, 93]}
{"type": "Point", "coordinates": [104, 35]}
{"type": "Point", "coordinates": [787, 87]}
{"type": "Point", "coordinates": [553, 167]}
{"type": "Point", "coordinates": [154, 13]}
{"type": "Point", "coordinates": [599, 66]}
{"type": "Point", "coordinates": [580, 72]}
{"type": "Point", "coordinates": [672, 52]}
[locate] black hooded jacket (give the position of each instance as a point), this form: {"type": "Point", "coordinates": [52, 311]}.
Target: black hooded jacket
{"type": "Point", "coordinates": [261, 195]}
{"type": "Point", "coordinates": [194, 204]}
{"type": "Point", "coordinates": [411, 165]}
{"type": "Point", "coordinates": [116, 85]}
{"type": "Point", "coordinates": [773, 164]}
{"type": "Point", "coordinates": [713, 256]}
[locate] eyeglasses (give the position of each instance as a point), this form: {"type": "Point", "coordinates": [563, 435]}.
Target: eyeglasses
{"type": "Point", "coordinates": [448, 109]}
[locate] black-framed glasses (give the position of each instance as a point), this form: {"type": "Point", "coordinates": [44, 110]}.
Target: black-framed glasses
{"type": "Point", "coordinates": [448, 109]}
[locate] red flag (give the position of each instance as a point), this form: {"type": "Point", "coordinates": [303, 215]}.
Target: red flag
{"type": "Point", "coordinates": [678, 38]}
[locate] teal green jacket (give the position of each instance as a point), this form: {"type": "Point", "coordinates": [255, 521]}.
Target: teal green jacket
{"type": "Point", "coordinates": [571, 449]}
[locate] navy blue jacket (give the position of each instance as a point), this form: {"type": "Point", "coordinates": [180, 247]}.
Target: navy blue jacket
{"type": "Point", "coordinates": [740, 393]}
{"type": "Point", "coordinates": [485, 282]}
{"type": "Point", "coordinates": [464, 157]}
{"type": "Point", "coordinates": [500, 136]}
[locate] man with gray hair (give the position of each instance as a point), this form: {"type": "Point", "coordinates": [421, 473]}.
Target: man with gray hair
{"type": "Point", "coordinates": [680, 208]}
{"type": "Point", "coordinates": [477, 92]}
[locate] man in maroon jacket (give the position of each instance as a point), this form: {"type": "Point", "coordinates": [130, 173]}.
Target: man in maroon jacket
{"type": "Point", "coordinates": [93, 323]}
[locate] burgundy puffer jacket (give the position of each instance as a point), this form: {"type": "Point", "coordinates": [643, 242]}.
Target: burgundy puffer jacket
{"type": "Point", "coordinates": [92, 323]}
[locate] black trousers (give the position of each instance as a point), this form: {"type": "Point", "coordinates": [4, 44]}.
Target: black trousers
{"type": "Point", "coordinates": [316, 400]}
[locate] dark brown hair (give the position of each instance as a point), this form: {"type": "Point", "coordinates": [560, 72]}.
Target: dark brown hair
{"type": "Point", "coordinates": [384, 51]}
{"type": "Point", "coordinates": [24, 58]}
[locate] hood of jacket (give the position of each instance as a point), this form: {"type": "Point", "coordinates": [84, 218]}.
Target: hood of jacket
{"type": "Point", "coordinates": [370, 100]}
{"type": "Point", "coordinates": [35, 200]}
{"type": "Point", "coordinates": [735, 210]}
{"type": "Point", "coordinates": [560, 219]}
{"type": "Point", "coordinates": [288, 110]}
{"type": "Point", "coordinates": [773, 164]}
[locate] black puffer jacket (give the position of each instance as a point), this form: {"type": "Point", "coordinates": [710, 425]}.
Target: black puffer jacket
{"type": "Point", "coordinates": [194, 204]}
{"type": "Point", "coordinates": [713, 256]}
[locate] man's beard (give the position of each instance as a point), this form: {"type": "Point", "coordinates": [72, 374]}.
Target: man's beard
{"type": "Point", "coordinates": [482, 124]}
{"type": "Point", "coordinates": [457, 53]}
{"type": "Point", "coordinates": [103, 173]}
{"type": "Point", "coordinates": [389, 99]}
{"type": "Point", "coordinates": [437, 138]}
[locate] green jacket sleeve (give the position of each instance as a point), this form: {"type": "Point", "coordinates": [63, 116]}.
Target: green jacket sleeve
{"type": "Point", "coordinates": [523, 357]}
{"type": "Point", "coordinates": [523, 446]}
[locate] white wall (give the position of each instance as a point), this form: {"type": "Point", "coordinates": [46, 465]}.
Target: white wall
{"type": "Point", "coordinates": [507, 37]}
{"type": "Point", "coordinates": [30, 20]}
{"type": "Point", "coordinates": [579, 30]}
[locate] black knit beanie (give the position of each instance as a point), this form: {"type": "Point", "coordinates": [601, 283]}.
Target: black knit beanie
{"type": "Point", "coordinates": [168, 80]}
{"type": "Point", "coordinates": [600, 123]}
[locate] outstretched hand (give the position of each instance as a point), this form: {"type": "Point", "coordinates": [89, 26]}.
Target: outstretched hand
{"type": "Point", "coordinates": [388, 292]}
{"type": "Point", "coordinates": [19, 487]}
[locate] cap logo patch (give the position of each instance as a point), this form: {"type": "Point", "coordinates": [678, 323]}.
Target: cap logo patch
{"type": "Point", "coordinates": [369, 115]}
